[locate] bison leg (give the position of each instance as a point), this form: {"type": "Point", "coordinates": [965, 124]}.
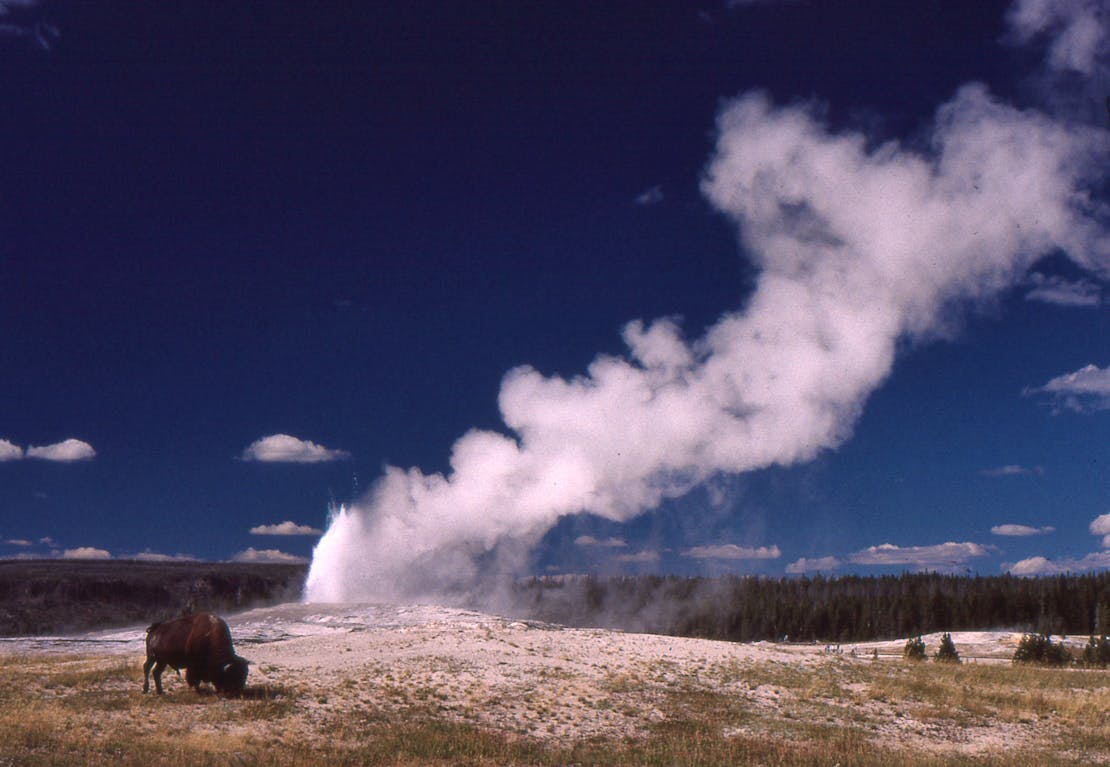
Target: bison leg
{"type": "Point", "coordinates": [146, 674]}
{"type": "Point", "coordinates": [158, 669]}
{"type": "Point", "coordinates": [192, 678]}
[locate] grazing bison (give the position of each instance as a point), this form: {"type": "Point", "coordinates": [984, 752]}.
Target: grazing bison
{"type": "Point", "coordinates": [199, 643]}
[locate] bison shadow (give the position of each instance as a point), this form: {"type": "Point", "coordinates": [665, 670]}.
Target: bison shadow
{"type": "Point", "coordinates": [254, 692]}
{"type": "Point", "coordinates": [263, 692]}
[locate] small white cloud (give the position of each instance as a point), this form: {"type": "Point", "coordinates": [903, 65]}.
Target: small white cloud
{"type": "Point", "coordinates": [1034, 566]}
{"type": "Point", "coordinates": [1100, 525]}
{"type": "Point", "coordinates": [19, 542]}
{"type": "Point", "coordinates": [21, 556]}
{"type": "Point", "coordinates": [63, 452]}
{"type": "Point", "coordinates": [285, 528]}
{"type": "Point", "coordinates": [153, 556]}
{"type": "Point", "coordinates": [46, 541]}
{"type": "Point", "coordinates": [732, 551]}
{"type": "Point", "coordinates": [1085, 390]}
{"type": "Point", "coordinates": [734, 4]}
{"type": "Point", "coordinates": [1013, 470]}
{"type": "Point", "coordinates": [804, 565]}
{"type": "Point", "coordinates": [1061, 292]}
{"type": "Point", "coordinates": [9, 451]}
{"type": "Point", "coordinates": [1021, 531]}
{"type": "Point", "coordinates": [1099, 560]}
{"type": "Point", "coordinates": [7, 5]}
{"type": "Point", "coordinates": [282, 448]}
{"type": "Point", "coordinates": [652, 196]}
{"type": "Point", "coordinates": [268, 556]}
{"type": "Point", "coordinates": [36, 33]}
{"type": "Point", "coordinates": [941, 556]}
{"type": "Point", "coordinates": [589, 540]}
{"type": "Point", "coordinates": [642, 557]}
{"type": "Point", "coordinates": [86, 552]}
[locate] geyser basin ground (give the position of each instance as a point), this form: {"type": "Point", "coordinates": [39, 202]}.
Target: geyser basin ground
{"type": "Point", "coordinates": [333, 677]}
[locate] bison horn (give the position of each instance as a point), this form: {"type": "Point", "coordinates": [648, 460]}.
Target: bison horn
{"type": "Point", "coordinates": [227, 667]}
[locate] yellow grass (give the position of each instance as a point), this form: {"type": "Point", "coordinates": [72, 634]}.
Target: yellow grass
{"type": "Point", "coordinates": [69, 710]}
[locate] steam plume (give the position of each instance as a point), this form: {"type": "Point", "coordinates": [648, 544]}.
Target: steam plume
{"type": "Point", "coordinates": [858, 248]}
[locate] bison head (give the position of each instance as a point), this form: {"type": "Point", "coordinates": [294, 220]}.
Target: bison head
{"type": "Point", "coordinates": [232, 676]}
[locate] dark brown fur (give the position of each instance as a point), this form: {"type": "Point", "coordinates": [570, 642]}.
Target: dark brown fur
{"type": "Point", "coordinates": [200, 644]}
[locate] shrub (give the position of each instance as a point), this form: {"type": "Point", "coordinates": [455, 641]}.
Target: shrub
{"type": "Point", "coordinates": [914, 650]}
{"type": "Point", "coordinates": [1097, 652]}
{"type": "Point", "coordinates": [946, 653]}
{"type": "Point", "coordinates": [1040, 649]}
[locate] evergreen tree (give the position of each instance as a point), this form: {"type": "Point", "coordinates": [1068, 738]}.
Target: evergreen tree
{"type": "Point", "coordinates": [946, 653]}
{"type": "Point", "coordinates": [914, 649]}
{"type": "Point", "coordinates": [1041, 650]}
{"type": "Point", "coordinates": [1097, 652]}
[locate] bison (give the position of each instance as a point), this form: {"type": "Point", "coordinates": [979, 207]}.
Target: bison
{"type": "Point", "coordinates": [199, 643]}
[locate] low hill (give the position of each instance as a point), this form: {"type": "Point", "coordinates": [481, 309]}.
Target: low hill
{"type": "Point", "coordinates": [39, 597]}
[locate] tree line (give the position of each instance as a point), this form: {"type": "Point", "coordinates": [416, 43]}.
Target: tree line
{"type": "Point", "coordinates": [820, 608]}
{"type": "Point", "coordinates": [52, 596]}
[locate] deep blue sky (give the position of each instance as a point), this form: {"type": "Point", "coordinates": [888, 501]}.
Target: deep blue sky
{"type": "Point", "coordinates": [224, 221]}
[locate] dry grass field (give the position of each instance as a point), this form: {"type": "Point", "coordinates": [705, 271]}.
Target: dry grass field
{"type": "Point", "coordinates": [451, 690]}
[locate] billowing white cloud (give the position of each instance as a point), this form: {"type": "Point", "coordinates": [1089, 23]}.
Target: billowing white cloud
{"type": "Point", "coordinates": [1072, 30]}
{"type": "Point", "coordinates": [282, 448]}
{"type": "Point", "coordinates": [67, 451]}
{"type": "Point", "coordinates": [821, 564]}
{"type": "Point", "coordinates": [9, 451]}
{"type": "Point", "coordinates": [860, 248]}
{"type": "Point", "coordinates": [589, 540]}
{"type": "Point", "coordinates": [273, 556]}
{"type": "Point", "coordinates": [941, 556]}
{"type": "Point", "coordinates": [1061, 292]}
{"type": "Point", "coordinates": [732, 551]}
{"type": "Point", "coordinates": [86, 552]}
{"type": "Point", "coordinates": [1013, 470]}
{"type": "Point", "coordinates": [1085, 390]}
{"type": "Point", "coordinates": [285, 528]}
{"type": "Point", "coordinates": [1021, 530]}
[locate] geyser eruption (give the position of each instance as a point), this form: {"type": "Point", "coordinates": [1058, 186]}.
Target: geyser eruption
{"type": "Point", "coordinates": [859, 247]}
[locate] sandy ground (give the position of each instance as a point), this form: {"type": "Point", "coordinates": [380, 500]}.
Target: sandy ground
{"type": "Point", "coordinates": [547, 681]}
{"type": "Point", "coordinates": [529, 678]}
